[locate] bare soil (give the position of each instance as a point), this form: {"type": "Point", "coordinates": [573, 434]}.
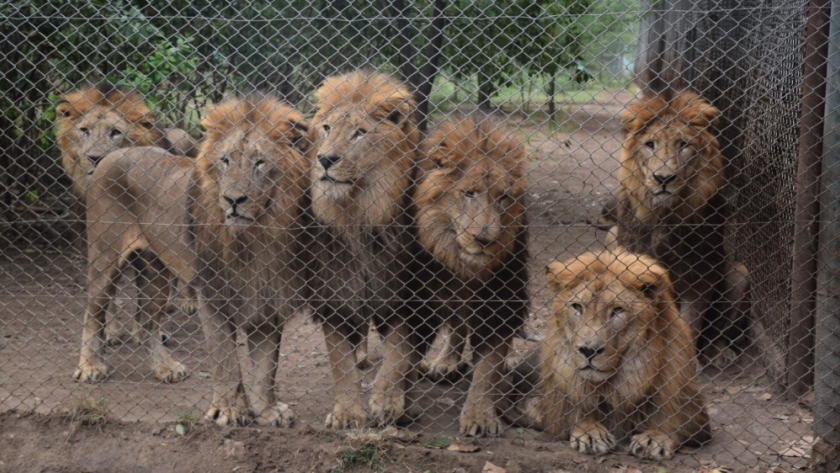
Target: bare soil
{"type": "Point", "coordinates": [45, 415]}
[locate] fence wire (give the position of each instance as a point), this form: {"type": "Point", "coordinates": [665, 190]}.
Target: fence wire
{"type": "Point", "coordinates": [573, 216]}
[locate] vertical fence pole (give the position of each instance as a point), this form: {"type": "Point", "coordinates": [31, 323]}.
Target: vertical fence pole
{"type": "Point", "coordinates": [806, 225]}
{"type": "Point", "coordinates": [826, 452]}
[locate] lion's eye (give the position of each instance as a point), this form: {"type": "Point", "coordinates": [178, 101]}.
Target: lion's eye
{"type": "Point", "coordinates": [616, 311]}
{"type": "Point", "coordinates": [85, 131]}
{"type": "Point", "coordinates": [359, 133]}
{"type": "Point", "coordinates": [260, 164]}
{"type": "Point", "coordinates": [681, 144]}
{"type": "Point", "coordinates": [577, 307]}
{"type": "Point", "coordinates": [650, 144]}
{"type": "Point", "coordinates": [469, 194]}
{"type": "Point", "coordinates": [115, 133]}
{"type": "Point", "coordinates": [225, 161]}
{"type": "Point", "coordinates": [326, 130]}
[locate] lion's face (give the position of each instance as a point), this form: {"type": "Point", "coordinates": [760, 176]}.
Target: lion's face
{"type": "Point", "coordinates": [471, 205]}
{"type": "Point", "coordinates": [607, 309]}
{"type": "Point", "coordinates": [95, 121]}
{"type": "Point", "coordinates": [253, 159]}
{"type": "Point", "coordinates": [365, 150]}
{"type": "Point", "coordinates": [670, 158]}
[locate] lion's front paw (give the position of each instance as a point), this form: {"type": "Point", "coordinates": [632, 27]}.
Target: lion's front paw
{"type": "Point", "coordinates": [349, 417]}
{"type": "Point", "coordinates": [720, 356]}
{"type": "Point", "coordinates": [189, 306]}
{"type": "Point", "coordinates": [227, 415]}
{"type": "Point", "coordinates": [389, 407]}
{"type": "Point", "coordinates": [115, 335]}
{"type": "Point", "coordinates": [91, 372]}
{"type": "Point", "coordinates": [279, 415]}
{"type": "Point", "coordinates": [479, 419]}
{"type": "Point", "coordinates": [654, 445]}
{"type": "Point", "coordinates": [439, 370]}
{"type": "Point", "coordinates": [171, 372]}
{"type": "Point", "coordinates": [592, 438]}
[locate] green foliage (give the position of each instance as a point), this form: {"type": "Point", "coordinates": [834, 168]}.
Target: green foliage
{"type": "Point", "coordinates": [349, 459]}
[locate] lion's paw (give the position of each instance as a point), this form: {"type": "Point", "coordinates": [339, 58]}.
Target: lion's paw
{"type": "Point", "coordinates": [172, 372]}
{"type": "Point", "coordinates": [227, 415]}
{"type": "Point", "coordinates": [653, 444]}
{"type": "Point", "coordinates": [592, 438]}
{"type": "Point", "coordinates": [352, 417]}
{"type": "Point", "coordinates": [440, 370]}
{"type": "Point", "coordinates": [390, 408]}
{"type": "Point", "coordinates": [363, 361]}
{"type": "Point", "coordinates": [479, 419]}
{"type": "Point", "coordinates": [189, 306]}
{"type": "Point", "coordinates": [279, 415]}
{"type": "Point", "coordinates": [91, 372]}
{"type": "Point", "coordinates": [722, 357]}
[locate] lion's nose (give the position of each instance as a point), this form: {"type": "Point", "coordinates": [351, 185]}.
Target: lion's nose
{"type": "Point", "coordinates": [94, 158]}
{"type": "Point", "coordinates": [328, 161]}
{"type": "Point", "coordinates": [234, 201]}
{"type": "Point", "coordinates": [664, 180]}
{"type": "Point", "coordinates": [589, 352]}
{"type": "Point", "coordinates": [485, 242]}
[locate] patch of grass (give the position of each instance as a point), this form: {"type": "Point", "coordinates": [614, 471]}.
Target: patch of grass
{"type": "Point", "coordinates": [351, 458]}
{"type": "Point", "coordinates": [185, 420]}
{"type": "Point", "coordinates": [90, 411]}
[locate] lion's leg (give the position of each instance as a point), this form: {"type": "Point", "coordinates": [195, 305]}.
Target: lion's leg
{"type": "Point", "coordinates": [154, 283]}
{"type": "Point", "coordinates": [735, 311]}
{"type": "Point", "coordinates": [102, 276]}
{"type": "Point", "coordinates": [190, 304]}
{"type": "Point", "coordinates": [479, 416]}
{"type": "Point", "coordinates": [349, 410]}
{"type": "Point", "coordinates": [362, 357]}
{"type": "Point", "coordinates": [148, 268]}
{"type": "Point", "coordinates": [229, 404]}
{"type": "Point", "coordinates": [115, 333]}
{"type": "Point", "coordinates": [449, 363]}
{"type": "Point", "coordinates": [264, 350]}
{"type": "Point", "coordinates": [393, 398]}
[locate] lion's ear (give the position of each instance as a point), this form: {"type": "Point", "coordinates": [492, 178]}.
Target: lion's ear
{"type": "Point", "coordinates": [301, 136]}
{"type": "Point", "coordinates": [65, 109]}
{"type": "Point", "coordinates": [630, 121]}
{"type": "Point", "coordinates": [560, 276]}
{"type": "Point", "coordinates": [652, 283]}
{"type": "Point", "coordinates": [712, 115]}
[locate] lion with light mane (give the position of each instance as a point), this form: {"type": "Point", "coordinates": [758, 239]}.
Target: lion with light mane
{"type": "Point", "coordinates": [670, 206]}
{"type": "Point", "coordinates": [366, 155]}
{"type": "Point", "coordinates": [617, 363]}
{"type": "Point", "coordinates": [98, 119]}
{"type": "Point", "coordinates": [229, 223]}
{"type": "Point", "coordinates": [470, 212]}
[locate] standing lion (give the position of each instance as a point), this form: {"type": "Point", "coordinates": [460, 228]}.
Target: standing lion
{"type": "Point", "coordinates": [670, 206]}
{"type": "Point", "coordinates": [230, 223]}
{"type": "Point", "coordinates": [98, 119]}
{"type": "Point", "coordinates": [366, 155]}
{"type": "Point", "coordinates": [470, 211]}
{"type": "Point", "coordinates": [617, 363]}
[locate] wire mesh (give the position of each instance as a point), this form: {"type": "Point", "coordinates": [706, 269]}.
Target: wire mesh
{"type": "Point", "coordinates": [341, 214]}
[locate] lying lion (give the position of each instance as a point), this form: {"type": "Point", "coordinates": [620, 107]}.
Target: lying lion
{"type": "Point", "coordinates": [617, 363]}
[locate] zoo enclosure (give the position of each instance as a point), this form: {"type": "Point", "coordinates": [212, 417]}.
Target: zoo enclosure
{"type": "Point", "coordinates": [532, 64]}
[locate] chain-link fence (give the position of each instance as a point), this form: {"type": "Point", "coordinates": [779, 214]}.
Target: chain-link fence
{"type": "Point", "coordinates": [600, 219]}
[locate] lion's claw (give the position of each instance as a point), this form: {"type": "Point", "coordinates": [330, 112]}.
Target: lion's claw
{"type": "Point", "coordinates": [353, 417]}
{"type": "Point", "coordinates": [480, 420]}
{"type": "Point", "coordinates": [172, 372]}
{"type": "Point", "coordinates": [592, 438]}
{"type": "Point", "coordinates": [389, 408]}
{"type": "Point", "coordinates": [653, 444]}
{"type": "Point", "coordinates": [279, 415]}
{"type": "Point", "coordinates": [91, 373]}
{"type": "Point", "coordinates": [226, 415]}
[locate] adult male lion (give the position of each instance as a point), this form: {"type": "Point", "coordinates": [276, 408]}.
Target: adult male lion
{"type": "Point", "coordinates": [366, 154]}
{"type": "Point", "coordinates": [98, 119]}
{"type": "Point", "coordinates": [470, 212]}
{"type": "Point", "coordinates": [230, 223]}
{"type": "Point", "coordinates": [670, 207]}
{"type": "Point", "coordinates": [617, 363]}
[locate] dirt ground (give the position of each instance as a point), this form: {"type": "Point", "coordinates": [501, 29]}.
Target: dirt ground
{"type": "Point", "coordinates": [45, 415]}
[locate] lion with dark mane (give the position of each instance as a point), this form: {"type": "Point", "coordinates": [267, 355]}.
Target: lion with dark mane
{"type": "Point", "coordinates": [470, 213]}
{"type": "Point", "coordinates": [366, 154]}
{"type": "Point", "coordinates": [98, 119]}
{"type": "Point", "coordinates": [670, 207]}
{"type": "Point", "coordinates": [617, 363]}
{"type": "Point", "coordinates": [230, 224]}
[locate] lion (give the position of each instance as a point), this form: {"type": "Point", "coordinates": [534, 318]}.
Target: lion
{"type": "Point", "coordinates": [361, 180]}
{"type": "Point", "coordinates": [98, 119]}
{"type": "Point", "coordinates": [230, 224]}
{"type": "Point", "coordinates": [671, 208]}
{"type": "Point", "coordinates": [617, 363]}
{"type": "Point", "coordinates": [470, 204]}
